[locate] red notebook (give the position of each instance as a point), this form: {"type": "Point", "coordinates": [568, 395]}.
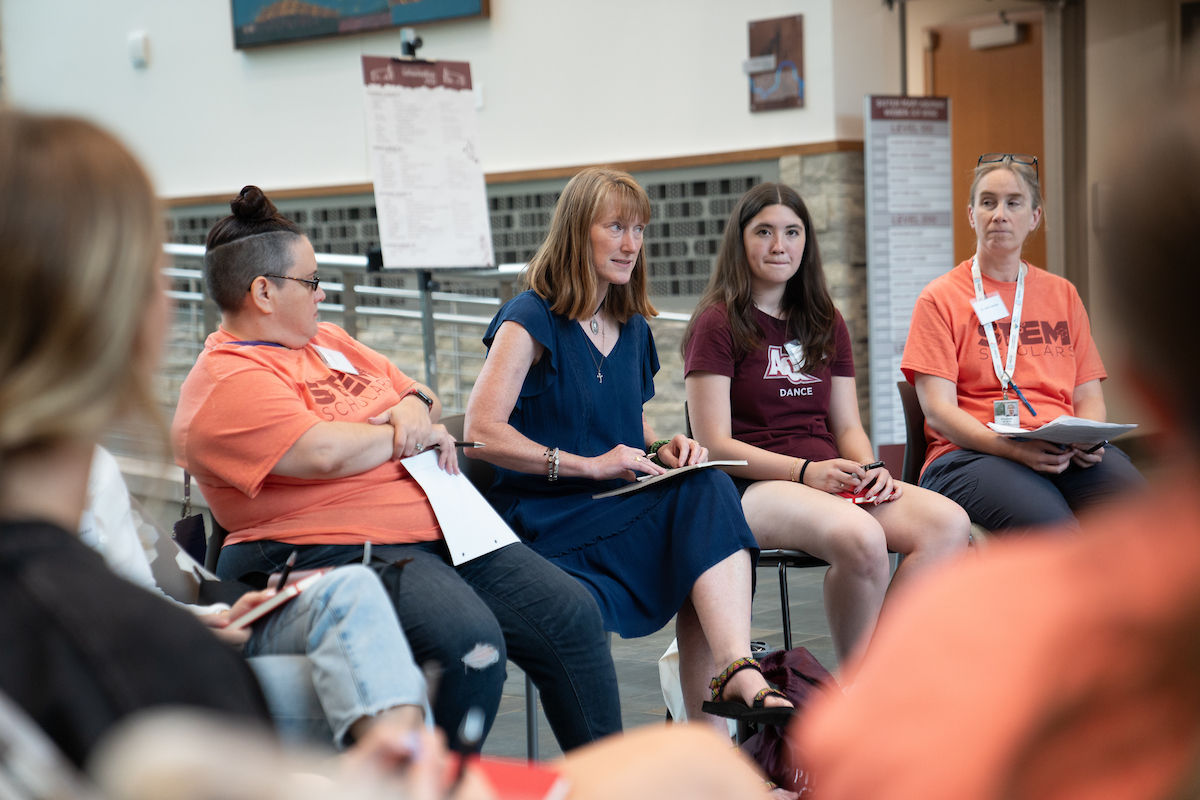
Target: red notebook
{"type": "Point", "coordinates": [517, 779]}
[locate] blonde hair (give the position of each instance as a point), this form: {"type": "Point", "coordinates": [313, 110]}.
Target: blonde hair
{"type": "Point", "coordinates": [80, 236]}
{"type": "Point", "coordinates": [562, 270]}
{"type": "Point", "coordinates": [1025, 173]}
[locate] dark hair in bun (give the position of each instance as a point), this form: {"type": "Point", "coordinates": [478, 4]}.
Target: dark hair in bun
{"type": "Point", "coordinates": [253, 213]}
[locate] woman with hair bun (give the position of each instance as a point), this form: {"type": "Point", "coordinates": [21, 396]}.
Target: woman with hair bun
{"type": "Point", "coordinates": [770, 379]}
{"type": "Point", "coordinates": [294, 432]}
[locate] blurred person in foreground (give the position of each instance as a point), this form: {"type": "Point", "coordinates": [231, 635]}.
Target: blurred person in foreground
{"type": "Point", "coordinates": [1061, 667]}
{"type": "Point", "coordinates": [82, 318]}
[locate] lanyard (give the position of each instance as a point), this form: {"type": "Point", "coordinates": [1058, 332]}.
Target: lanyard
{"type": "Point", "coordinates": [1003, 374]}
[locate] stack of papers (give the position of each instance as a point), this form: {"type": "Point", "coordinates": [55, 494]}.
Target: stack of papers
{"type": "Point", "coordinates": [1067, 430]}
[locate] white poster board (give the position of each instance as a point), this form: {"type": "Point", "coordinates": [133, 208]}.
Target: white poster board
{"type": "Point", "coordinates": [423, 140]}
{"type": "Point", "coordinates": [910, 234]}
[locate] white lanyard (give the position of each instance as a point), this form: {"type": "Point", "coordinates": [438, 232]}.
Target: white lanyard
{"type": "Point", "coordinates": [1014, 330]}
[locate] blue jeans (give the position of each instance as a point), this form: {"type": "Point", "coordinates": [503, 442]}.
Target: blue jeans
{"type": "Point", "coordinates": [359, 660]}
{"type": "Point", "coordinates": [510, 603]}
{"type": "Point", "coordinates": [1002, 495]}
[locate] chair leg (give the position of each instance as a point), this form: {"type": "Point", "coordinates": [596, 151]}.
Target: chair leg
{"type": "Point", "coordinates": [786, 607]}
{"type": "Point", "coordinates": [531, 719]}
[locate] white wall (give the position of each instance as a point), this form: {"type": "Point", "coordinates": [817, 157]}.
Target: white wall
{"type": "Point", "coordinates": [866, 39]}
{"type": "Point", "coordinates": [565, 82]}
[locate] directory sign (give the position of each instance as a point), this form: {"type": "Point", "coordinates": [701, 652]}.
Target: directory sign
{"type": "Point", "coordinates": [910, 234]}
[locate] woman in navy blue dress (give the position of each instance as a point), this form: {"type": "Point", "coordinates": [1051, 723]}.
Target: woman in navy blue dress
{"type": "Point", "coordinates": [559, 405]}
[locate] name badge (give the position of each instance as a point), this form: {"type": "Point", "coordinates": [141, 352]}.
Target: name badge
{"type": "Point", "coordinates": [990, 308]}
{"type": "Point", "coordinates": [795, 352]}
{"type": "Point", "coordinates": [335, 359]}
{"type": "Point", "coordinates": [1007, 413]}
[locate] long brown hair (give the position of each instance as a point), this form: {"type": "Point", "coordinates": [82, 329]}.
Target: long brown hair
{"type": "Point", "coordinates": [562, 271]}
{"type": "Point", "coordinates": [81, 236]}
{"type": "Point", "coordinates": [808, 310]}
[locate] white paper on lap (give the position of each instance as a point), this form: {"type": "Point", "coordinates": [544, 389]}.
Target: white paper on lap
{"type": "Point", "coordinates": [1067, 430]}
{"type": "Point", "coordinates": [470, 525]}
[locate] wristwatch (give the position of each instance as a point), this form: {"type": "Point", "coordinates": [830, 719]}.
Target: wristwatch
{"type": "Point", "coordinates": [420, 396]}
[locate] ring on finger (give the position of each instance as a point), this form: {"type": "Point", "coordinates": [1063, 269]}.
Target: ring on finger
{"type": "Point", "coordinates": [639, 458]}
{"type": "Point", "coordinates": [419, 447]}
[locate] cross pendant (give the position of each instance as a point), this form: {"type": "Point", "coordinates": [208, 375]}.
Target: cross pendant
{"type": "Point", "coordinates": [599, 377]}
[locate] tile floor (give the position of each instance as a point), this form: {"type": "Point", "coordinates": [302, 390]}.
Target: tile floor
{"type": "Point", "coordinates": [637, 662]}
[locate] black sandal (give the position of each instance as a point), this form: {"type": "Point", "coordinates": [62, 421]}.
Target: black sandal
{"type": "Point", "coordinates": [757, 713]}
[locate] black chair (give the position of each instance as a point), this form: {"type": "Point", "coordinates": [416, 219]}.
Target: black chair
{"type": "Point", "coordinates": [915, 445]}
{"type": "Point", "coordinates": [914, 429]}
{"type": "Point", "coordinates": [782, 559]}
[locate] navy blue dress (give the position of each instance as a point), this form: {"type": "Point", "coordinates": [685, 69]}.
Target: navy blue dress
{"type": "Point", "coordinates": [638, 554]}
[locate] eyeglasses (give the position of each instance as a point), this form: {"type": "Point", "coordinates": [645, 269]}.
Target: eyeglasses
{"type": "Point", "coordinates": [313, 283]}
{"type": "Point", "coordinates": [1019, 158]}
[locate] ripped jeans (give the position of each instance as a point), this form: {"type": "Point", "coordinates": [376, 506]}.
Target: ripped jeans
{"type": "Point", "coordinates": [511, 603]}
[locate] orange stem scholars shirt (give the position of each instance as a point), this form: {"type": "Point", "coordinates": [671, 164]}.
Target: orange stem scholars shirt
{"type": "Point", "coordinates": [1055, 352]}
{"type": "Point", "coordinates": [243, 406]}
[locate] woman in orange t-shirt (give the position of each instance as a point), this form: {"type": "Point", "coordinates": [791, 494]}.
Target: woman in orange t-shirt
{"type": "Point", "coordinates": [969, 371]}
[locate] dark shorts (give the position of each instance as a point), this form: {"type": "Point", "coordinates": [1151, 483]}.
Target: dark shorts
{"type": "Point", "coordinates": [1002, 495]}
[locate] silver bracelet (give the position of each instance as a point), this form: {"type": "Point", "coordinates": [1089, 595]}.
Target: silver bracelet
{"type": "Point", "coordinates": [551, 464]}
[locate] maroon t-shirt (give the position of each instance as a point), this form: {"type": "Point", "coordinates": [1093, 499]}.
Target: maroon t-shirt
{"type": "Point", "coordinates": [774, 405]}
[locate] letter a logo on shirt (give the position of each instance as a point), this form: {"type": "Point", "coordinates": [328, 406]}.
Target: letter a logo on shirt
{"type": "Point", "coordinates": [780, 366]}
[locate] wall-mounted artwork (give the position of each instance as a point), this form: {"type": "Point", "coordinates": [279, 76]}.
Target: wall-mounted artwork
{"type": "Point", "coordinates": [259, 22]}
{"type": "Point", "coordinates": [783, 85]}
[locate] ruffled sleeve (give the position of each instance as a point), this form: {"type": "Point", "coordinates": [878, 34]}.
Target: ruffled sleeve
{"type": "Point", "coordinates": [649, 362]}
{"type": "Point", "coordinates": [533, 314]}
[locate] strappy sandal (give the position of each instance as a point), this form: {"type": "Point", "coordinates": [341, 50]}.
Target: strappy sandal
{"type": "Point", "coordinates": [758, 712]}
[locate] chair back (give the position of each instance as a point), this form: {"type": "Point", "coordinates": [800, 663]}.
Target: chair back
{"type": "Point", "coordinates": [480, 473]}
{"type": "Point", "coordinates": [914, 426]}
{"type": "Point", "coordinates": [215, 541]}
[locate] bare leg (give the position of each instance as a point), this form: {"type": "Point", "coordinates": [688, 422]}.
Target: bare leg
{"type": "Point", "coordinates": [720, 601]}
{"type": "Point", "coordinates": [923, 525]}
{"type": "Point", "coordinates": [696, 666]}
{"type": "Point", "coordinates": [792, 516]}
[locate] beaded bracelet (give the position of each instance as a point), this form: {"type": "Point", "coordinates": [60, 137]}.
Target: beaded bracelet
{"type": "Point", "coordinates": [551, 464]}
{"type": "Point", "coordinates": [654, 448]}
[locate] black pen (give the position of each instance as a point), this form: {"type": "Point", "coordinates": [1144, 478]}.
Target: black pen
{"type": "Point", "coordinates": [1097, 447]}
{"type": "Point", "coordinates": [287, 568]}
{"type": "Point", "coordinates": [465, 444]}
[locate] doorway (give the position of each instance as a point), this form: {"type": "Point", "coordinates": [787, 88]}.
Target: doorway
{"type": "Point", "coordinates": [995, 107]}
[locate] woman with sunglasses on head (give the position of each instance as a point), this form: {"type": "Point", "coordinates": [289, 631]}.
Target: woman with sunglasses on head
{"type": "Point", "coordinates": [770, 379]}
{"type": "Point", "coordinates": [968, 370]}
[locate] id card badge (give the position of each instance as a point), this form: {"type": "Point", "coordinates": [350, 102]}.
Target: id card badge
{"type": "Point", "coordinates": [1007, 413]}
{"type": "Point", "coordinates": [335, 360]}
{"type": "Point", "coordinates": [990, 309]}
{"type": "Point", "coordinates": [795, 352]}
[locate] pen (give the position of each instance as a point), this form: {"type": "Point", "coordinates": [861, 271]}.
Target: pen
{"type": "Point", "coordinates": [466, 444]}
{"type": "Point", "coordinates": [873, 465]}
{"type": "Point", "coordinates": [1021, 395]}
{"type": "Point", "coordinates": [1097, 447]}
{"type": "Point", "coordinates": [287, 568]}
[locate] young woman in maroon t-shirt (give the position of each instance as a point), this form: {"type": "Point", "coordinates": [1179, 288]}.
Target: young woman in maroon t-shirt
{"type": "Point", "coordinates": [770, 379]}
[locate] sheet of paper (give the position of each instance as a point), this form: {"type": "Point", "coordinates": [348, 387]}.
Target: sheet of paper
{"type": "Point", "coordinates": [1067, 430]}
{"type": "Point", "coordinates": [423, 141]}
{"type": "Point", "coordinates": [650, 480]}
{"type": "Point", "coordinates": [471, 526]}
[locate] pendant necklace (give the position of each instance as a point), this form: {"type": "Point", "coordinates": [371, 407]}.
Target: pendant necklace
{"type": "Point", "coordinates": [596, 325]}
{"type": "Point", "coordinates": [595, 329]}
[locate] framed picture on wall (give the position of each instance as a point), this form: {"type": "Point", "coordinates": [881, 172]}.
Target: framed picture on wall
{"type": "Point", "coordinates": [260, 22]}
{"type": "Point", "coordinates": [781, 86]}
